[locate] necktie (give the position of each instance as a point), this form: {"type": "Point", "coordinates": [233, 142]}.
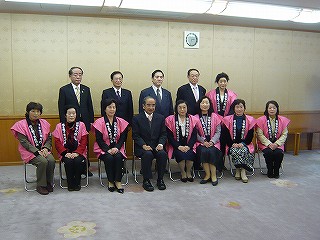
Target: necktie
{"type": "Point", "coordinates": [150, 119]}
{"type": "Point", "coordinates": [118, 94]}
{"type": "Point", "coordinates": [196, 93]}
{"type": "Point", "coordinates": [78, 93]}
{"type": "Point", "coordinates": [158, 95]}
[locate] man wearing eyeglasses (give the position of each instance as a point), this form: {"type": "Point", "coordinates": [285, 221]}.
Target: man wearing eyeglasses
{"type": "Point", "coordinates": [79, 95]}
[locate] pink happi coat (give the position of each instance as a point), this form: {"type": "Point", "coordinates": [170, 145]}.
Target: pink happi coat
{"type": "Point", "coordinates": [57, 133]}
{"type": "Point", "coordinates": [215, 121]}
{"type": "Point", "coordinates": [100, 125]}
{"type": "Point", "coordinates": [23, 128]}
{"type": "Point", "coordinates": [213, 97]}
{"type": "Point", "coordinates": [262, 124]}
{"type": "Point", "coordinates": [171, 124]}
{"type": "Point", "coordinates": [250, 123]}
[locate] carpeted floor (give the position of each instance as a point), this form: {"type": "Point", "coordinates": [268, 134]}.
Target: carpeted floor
{"type": "Point", "coordinates": [264, 209]}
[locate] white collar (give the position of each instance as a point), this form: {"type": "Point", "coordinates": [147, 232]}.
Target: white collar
{"type": "Point", "coordinates": [75, 86]}
{"type": "Point", "coordinates": [155, 89]}
{"type": "Point", "coordinates": [115, 90]}
{"type": "Point", "coordinates": [193, 86]}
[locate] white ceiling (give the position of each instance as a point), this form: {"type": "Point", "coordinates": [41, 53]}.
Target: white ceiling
{"type": "Point", "coordinates": [13, 7]}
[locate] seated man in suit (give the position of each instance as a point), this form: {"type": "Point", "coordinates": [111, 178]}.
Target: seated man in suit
{"type": "Point", "coordinates": [121, 95]}
{"type": "Point", "coordinates": [191, 92]}
{"type": "Point", "coordinates": [149, 135]}
{"type": "Point", "coordinates": [79, 95]}
{"type": "Point", "coordinates": [162, 96]}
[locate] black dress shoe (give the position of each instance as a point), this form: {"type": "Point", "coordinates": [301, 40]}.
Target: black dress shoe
{"type": "Point", "coordinates": [70, 189]}
{"type": "Point", "coordinates": [147, 186]}
{"type": "Point", "coordinates": [190, 179]}
{"type": "Point", "coordinates": [161, 185]}
{"type": "Point", "coordinates": [184, 179]}
{"type": "Point", "coordinates": [120, 190]}
{"type": "Point", "coordinates": [77, 188]}
{"type": "Point", "coordinates": [42, 190]}
{"type": "Point", "coordinates": [203, 181]}
{"type": "Point", "coordinates": [111, 189]}
{"type": "Point", "coordinates": [276, 176]}
{"type": "Point", "coordinates": [49, 188]}
{"type": "Point", "coordinates": [215, 183]}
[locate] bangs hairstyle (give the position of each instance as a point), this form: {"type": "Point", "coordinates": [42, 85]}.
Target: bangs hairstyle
{"type": "Point", "coordinates": [267, 105]}
{"type": "Point", "coordinates": [210, 110]}
{"type": "Point", "coordinates": [107, 102]}
{"type": "Point", "coordinates": [67, 107]}
{"type": "Point", "coordinates": [178, 103]}
{"type": "Point", "coordinates": [31, 106]}
{"type": "Point", "coordinates": [237, 102]}
{"type": "Point", "coordinates": [222, 75]}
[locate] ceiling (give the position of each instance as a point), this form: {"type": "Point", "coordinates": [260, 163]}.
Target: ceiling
{"type": "Point", "coordinates": [36, 8]}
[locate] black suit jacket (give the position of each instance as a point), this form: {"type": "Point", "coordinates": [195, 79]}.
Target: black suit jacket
{"type": "Point", "coordinates": [85, 112]}
{"type": "Point", "coordinates": [124, 105]}
{"type": "Point", "coordinates": [185, 93]}
{"type": "Point", "coordinates": [142, 133]}
{"type": "Point", "coordinates": [166, 106]}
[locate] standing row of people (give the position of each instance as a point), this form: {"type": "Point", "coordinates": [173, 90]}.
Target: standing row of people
{"type": "Point", "coordinates": [188, 135]}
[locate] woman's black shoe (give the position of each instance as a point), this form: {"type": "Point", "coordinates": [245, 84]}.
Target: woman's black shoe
{"type": "Point", "coordinates": [215, 183]}
{"type": "Point", "coordinates": [184, 179]}
{"type": "Point", "coordinates": [190, 179]}
{"type": "Point", "coordinates": [120, 190]}
{"type": "Point", "coordinates": [203, 181]}
{"type": "Point", "coordinates": [111, 189]}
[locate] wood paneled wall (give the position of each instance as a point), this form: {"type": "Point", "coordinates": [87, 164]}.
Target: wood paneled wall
{"type": "Point", "coordinates": [9, 154]}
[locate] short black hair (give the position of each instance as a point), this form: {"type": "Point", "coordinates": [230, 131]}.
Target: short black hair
{"type": "Point", "coordinates": [210, 110]}
{"type": "Point", "coordinates": [71, 70]}
{"type": "Point", "coordinates": [178, 103]}
{"type": "Point", "coordinates": [106, 103]}
{"type": "Point", "coordinates": [192, 69]}
{"type": "Point", "coordinates": [222, 75]}
{"type": "Point", "coordinates": [31, 106]}
{"type": "Point", "coordinates": [237, 102]}
{"type": "Point", "coordinates": [114, 73]}
{"type": "Point", "coordinates": [67, 107]}
{"type": "Point", "coordinates": [155, 71]}
{"type": "Point", "coordinates": [267, 105]}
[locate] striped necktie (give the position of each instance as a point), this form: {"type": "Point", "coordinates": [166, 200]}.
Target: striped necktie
{"type": "Point", "coordinates": [78, 93]}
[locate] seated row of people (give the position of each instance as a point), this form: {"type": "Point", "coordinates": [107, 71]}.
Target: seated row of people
{"type": "Point", "coordinates": [183, 136]}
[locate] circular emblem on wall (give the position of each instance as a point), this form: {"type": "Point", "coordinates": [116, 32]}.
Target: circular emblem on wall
{"type": "Point", "coordinates": [192, 39]}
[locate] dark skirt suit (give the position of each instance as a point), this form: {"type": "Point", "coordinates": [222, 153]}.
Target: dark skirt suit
{"type": "Point", "coordinates": [175, 138]}
{"type": "Point", "coordinates": [109, 136]}
{"type": "Point", "coordinates": [275, 132]}
{"type": "Point", "coordinates": [222, 108]}
{"type": "Point", "coordinates": [73, 141]}
{"type": "Point", "coordinates": [244, 131]}
{"type": "Point", "coordinates": [209, 130]}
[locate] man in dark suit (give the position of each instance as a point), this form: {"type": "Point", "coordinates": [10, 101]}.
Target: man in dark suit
{"type": "Point", "coordinates": [121, 95]}
{"type": "Point", "coordinates": [150, 136]}
{"type": "Point", "coordinates": [162, 96]}
{"type": "Point", "coordinates": [79, 95]}
{"type": "Point", "coordinates": [191, 92]}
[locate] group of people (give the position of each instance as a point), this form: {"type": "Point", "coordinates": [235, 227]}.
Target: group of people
{"type": "Point", "coordinates": [200, 130]}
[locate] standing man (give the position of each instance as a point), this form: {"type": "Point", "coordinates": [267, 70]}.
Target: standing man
{"type": "Point", "coordinates": [191, 92]}
{"type": "Point", "coordinates": [79, 95]}
{"type": "Point", "coordinates": [150, 135]}
{"type": "Point", "coordinates": [162, 96]}
{"type": "Point", "coordinates": [121, 95]}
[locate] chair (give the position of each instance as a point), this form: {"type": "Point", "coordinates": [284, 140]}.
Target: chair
{"type": "Point", "coordinates": [171, 173]}
{"type": "Point", "coordinates": [27, 179]}
{"type": "Point", "coordinates": [62, 178]}
{"type": "Point", "coordinates": [124, 171]}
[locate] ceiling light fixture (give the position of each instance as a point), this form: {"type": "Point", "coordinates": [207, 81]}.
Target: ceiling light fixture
{"type": "Point", "coordinates": [308, 16]}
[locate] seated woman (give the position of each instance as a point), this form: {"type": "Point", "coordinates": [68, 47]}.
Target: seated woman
{"type": "Point", "coordinates": [111, 134]}
{"type": "Point", "coordinates": [70, 139]}
{"type": "Point", "coordinates": [35, 144]}
{"type": "Point", "coordinates": [272, 133]}
{"type": "Point", "coordinates": [182, 136]}
{"type": "Point", "coordinates": [208, 149]}
{"type": "Point", "coordinates": [239, 139]}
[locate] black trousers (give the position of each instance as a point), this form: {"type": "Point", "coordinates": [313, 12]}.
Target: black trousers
{"type": "Point", "coordinates": [146, 163]}
{"type": "Point", "coordinates": [74, 168]}
{"type": "Point", "coordinates": [273, 160]}
{"type": "Point", "coordinates": [113, 165]}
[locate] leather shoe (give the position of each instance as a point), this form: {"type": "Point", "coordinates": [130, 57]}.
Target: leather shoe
{"type": "Point", "coordinates": [77, 188]}
{"type": "Point", "coordinates": [111, 189]}
{"type": "Point", "coordinates": [120, 190]}
{"type": "Point", "coordinates": [203, 181]}
{"type": "Point", "coordinates": [215, 183]}
{"type": "Point", "coordinates": [183, 179]}
{"type": "Point", "coordinates": [161, 185]}
{"type": "Point", "coordinates": [190, 179]}
{"type": "Point", "coordinates": [42, 190]}
{"type": "Point", "coordinates": [70, 189]}
{"type": "Point", "coordinates": [147, 186]}
{"type": "Point", "coordinates": [49, 188]}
